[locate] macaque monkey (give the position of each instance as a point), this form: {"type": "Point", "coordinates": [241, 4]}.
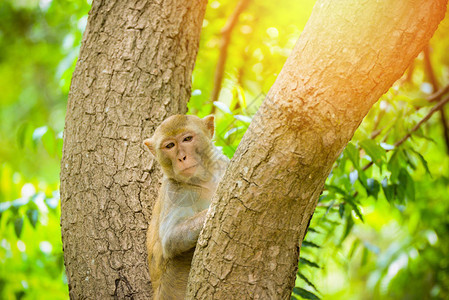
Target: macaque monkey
{"type": "Point", "coordinates": [192, 168]}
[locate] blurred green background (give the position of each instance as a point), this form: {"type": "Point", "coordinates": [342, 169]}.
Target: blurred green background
{"type": "Point", "coordinates": [381, 229]}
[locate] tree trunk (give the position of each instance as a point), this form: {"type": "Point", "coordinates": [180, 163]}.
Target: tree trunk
{"type": "Point", "coordinates": [348, 55]}
{"type": "Point", "coordinates": [133, 71]}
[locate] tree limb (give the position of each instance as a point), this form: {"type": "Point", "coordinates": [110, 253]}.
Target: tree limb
{"type": "Point", "coordinates": [433, 80]}
{"type": "Point", "coordinates": [437, 107]}
{"type": "Point", "coordinates": [224, 43]}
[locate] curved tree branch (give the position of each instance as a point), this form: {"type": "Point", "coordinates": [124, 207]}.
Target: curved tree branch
{"type": "Point", "coordinates": [224, 43]}
{"type": "Point", "coordinates": [434, 82]}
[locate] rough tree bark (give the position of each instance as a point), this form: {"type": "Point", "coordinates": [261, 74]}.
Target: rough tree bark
{"type": "Point", "coordinates": [348, 55]}
{"type": "Point", "coordinates": [133, 71]}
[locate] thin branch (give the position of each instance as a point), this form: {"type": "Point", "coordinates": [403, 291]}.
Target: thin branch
{"type": "Point", "coordinates": [440, 93]}
{"type": "Point", "coordinates": [429, 69]}
{"type": "Point", "coordinates": [433, 80]}
{"type": "Point", "coordinates": [434, 109]}
{"type": "Point", "coordinates": [437, 107]}
{"type": "Point", "coordinates": [224, 43]}
{"type": "Point", "coordinates": [410, 71]}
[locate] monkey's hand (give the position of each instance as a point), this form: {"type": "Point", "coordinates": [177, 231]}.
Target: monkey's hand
{"type": "Point", "coordinates": [182, 236]}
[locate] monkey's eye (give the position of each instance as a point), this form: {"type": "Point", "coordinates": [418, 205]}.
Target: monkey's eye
{"type": "Point", "coordinates": [170, 145]}
{"type": "Point", "coordinates": [188, 139]}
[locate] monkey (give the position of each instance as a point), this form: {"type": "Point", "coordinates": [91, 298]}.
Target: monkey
{"type": "Point", "coordinates": [192, 168]}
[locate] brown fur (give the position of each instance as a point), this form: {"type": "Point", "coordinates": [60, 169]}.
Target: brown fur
{"type": "Point", "coordinates": [183, 200]}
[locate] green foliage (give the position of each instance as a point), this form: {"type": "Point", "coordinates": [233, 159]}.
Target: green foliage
{"type": "Point", "coordinates": [383, 213]}
{"type": "Point", "coordinates": [39, 43]}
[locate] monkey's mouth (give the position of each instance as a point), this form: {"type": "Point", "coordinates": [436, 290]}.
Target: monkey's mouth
{"type": "Point", "coordinates": [189, 169]}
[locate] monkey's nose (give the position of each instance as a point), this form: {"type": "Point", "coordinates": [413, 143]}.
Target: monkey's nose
{"type": "Point", "coordinates": [182, 159]}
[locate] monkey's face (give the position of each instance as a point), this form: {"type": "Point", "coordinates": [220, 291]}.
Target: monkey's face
{"type": "Point", "coordinates": [183, 152]}
{"type": "Point", "coordinates": [181, 145]}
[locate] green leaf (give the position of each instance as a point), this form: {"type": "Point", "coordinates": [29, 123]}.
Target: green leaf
{"type": "Point", "coordinates": [33, 216]}
{"type": "Point", "coordinates": [21, 134]}
{"type": "Point", "coordinates": [311, 229]}
{"type": "Point", "coordinates": [341, 210]}
{"type": "Point", "coordinates": [354, 246]}
{"type": "Point", "coordinates": [18, 225]}
{"type": "Point", "coordinates": [355, 208]}
{"type": "Point", "coordinates": [309, 244]}
{"type": "Point", "coordinates": [365, 254]}
{"type": "Point", "coordinates": [376, 152]}
{"type": "Point", "coordinates": [407, 185]}
{"type": "Point", "coordinates": [242, 118]}
{"type": "Point", "coordinates": [49, 142]}
{"type": "Point", "coordinates": [353, 154]}
{"type": "Point", "coordinates": [395, 164]}
{"type": "Point", "coordinates": [329, 207]}
{"type": "Point", "coordinates": [303, 277]}
{"type": "Point", "coordinates": [423, 161]}
{"type": "Point", "coordinates": [373, 187]}
{"type": "Point", "coordinates": [38, 133]}
{"type": "Point", "coordinates": [348, 228]}
{"type": "Point", "coordinates": [305, 294]}
{"type": "Point", "coordinates": [388, 190]}
{"type": "Point", "coordinates": [353, 176]}
{"type": "Point", "coordinates": [307, 262]}
{"type": "Point", "coordinates": [335, 189]}
{"type": "Point", "coordinates": [409, 160]}
{"type": "Point", "coordinates": [223, 107]}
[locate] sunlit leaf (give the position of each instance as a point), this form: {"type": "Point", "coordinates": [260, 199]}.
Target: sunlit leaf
{"type": "Point", "coordinates": [409, 160]}
{"type": "Point", "coordinates": [21, 134]}
{"type": "Point", "coordinates": [336, 189]}
{"type": "Point", "coordinates": [355, 208]}
{"type": "Point", "coordinates": [377, 153]}
{"type": "Point", "coordinates": [32, 215]}
{"type": "Point", "coordinates": [232, 131]}
{"type": "Point", "coordinates": [371, 247]}
{"type": "Point", "coordinates": [38, 133]}
{"type": "Point", "coordinates": [353, 176]}
{"type": "Point", "coordinates": [365, 254]}
{"type": "Point", "coordinates": [49, 142]}
{"type": "Point", "coordinates": [18, 225]}
{"type": "Point", "coordinates": [303, 277]}
{"type": "Point", "coordinates": [348, 227]}
{"type": "Point", "coordinates": [223, 107]}
{"type": "Point", "coordinates": [329, 207]}
{"type": "Point", "coordinates": [388, 190]}
{"type": "Point", "coordinates": [243, 118]}
{"type": "Point", "coordinates": [311, 229]}
{"type": "Point", "coordinates": [386, 146]}
{"type": "Point", "coordinates": [307, 262]}
{"type": "Point", "coordinates": [353, 154]}
{"type": "Point", "coordinates": [394, 164]}
{"type": "Point", "coordinates": [354, 247]}
{"type": "Point", "coordinates": [406, 182]}
{"type": "Point", "coordinates": [373, 187]}
{"type": "Point", "coordinates": [305, 294]}
{"type": "Point", "coordinates": [423, 161]}
{"type": "Point", "coordinates": [341, 210]}
{"type": "Point", "coordinates": [310, 244]}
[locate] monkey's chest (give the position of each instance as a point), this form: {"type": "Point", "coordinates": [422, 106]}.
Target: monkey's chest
{"type": "Point", "coordinates": [195, 200]}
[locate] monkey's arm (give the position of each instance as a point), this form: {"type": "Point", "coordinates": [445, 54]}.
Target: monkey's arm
{"type": "Point", "coordinates": [182, 236]}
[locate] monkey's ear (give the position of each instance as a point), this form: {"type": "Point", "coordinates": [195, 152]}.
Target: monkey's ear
{"type": "Point", "coordinates": [209, 122]}
{"type": "Point", "coordinates": [150, 144]}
